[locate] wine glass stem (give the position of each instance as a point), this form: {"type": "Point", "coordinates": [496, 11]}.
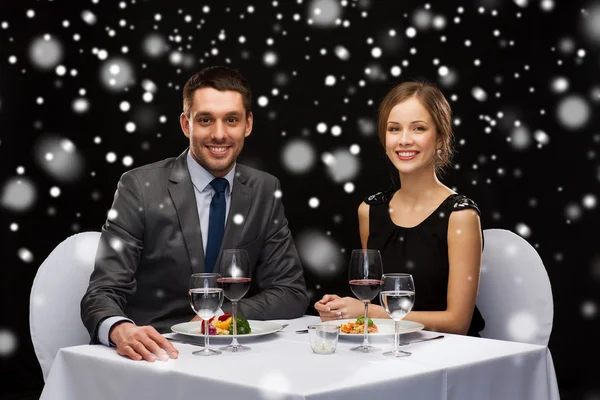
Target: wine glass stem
{"type": "Point", "coordinates": [397, 336]}
{"type": "Point", "coordinates": [206, 333]}
{"type": "Point", "coordinates": [234, 342]}
{"type": "Point", "coordinates": [366, 339]}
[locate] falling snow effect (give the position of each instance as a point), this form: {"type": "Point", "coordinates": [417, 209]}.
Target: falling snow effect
{"type": "Point", "coordinates": [298, 156]}
{"type": "Point", "coordinates": [319, 253]}
{"type": "Point", "coordinates": [85, 98]}
{"type": "Point", "coordinates": [45, 52]}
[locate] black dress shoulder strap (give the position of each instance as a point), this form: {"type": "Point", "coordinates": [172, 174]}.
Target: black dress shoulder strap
{"type": "Point", "coordinates": [458, 202]}
{"type": "Point", "coordinates": [380, 197]}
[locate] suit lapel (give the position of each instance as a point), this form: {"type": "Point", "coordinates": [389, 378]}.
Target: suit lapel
{"type": "Point", "coordinates": [184, 200]}
{"type": "Point", "coordinates": [240, 205]}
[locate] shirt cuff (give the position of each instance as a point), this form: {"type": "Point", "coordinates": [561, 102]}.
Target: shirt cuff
{"type": "Point", "coordinates": [104, 330]}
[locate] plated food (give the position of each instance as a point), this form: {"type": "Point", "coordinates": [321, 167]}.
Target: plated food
{"type": "Point", "coordinates": [358, 326]}
{"type": "Point", "coordinates": [223, 325]}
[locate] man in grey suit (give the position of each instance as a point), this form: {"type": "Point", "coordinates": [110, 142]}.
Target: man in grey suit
{"type": "Point", "coordinates": [157, 231]}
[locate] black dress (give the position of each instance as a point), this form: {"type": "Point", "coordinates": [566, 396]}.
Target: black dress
{"type": "Point", "coordinates": [421, 250]}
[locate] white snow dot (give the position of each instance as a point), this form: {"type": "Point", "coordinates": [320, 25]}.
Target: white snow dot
{"type": "Point", "coordinates": [116, 244]}
{"type": "Point", "coordinates": [25, 255]}
{"type": "Point", "coordinates": [589, 201]}
{"type": "Point", "coordinates": [336, 130]}
{"type": "Point", "coordinates": [479, 94]}
{"type": "Point", "coordinates": [411, 32]}
{"type": "Point", "coordinates": [395, 70]}
{"type": "Point", "coordinates": [443, 70]}
{"type": "Point", "coordinates": [349, 187]}
{"type": "Point", "coordinates": [321, 127]}
{"type": "Point", "coordinates": [523, 230]}
{"type": "Point", "coordinates": [238, 219]}
{"type": "Point", "coordinates": [124, 106]}
{"type": "Point", "coordinates": [112, 214]}
{"type": "Point", "coordinates": [547, 5]}
{"type": "Point", "coordinates": [111, 157]}
{"type": "Point", "coordinates": [541, 136]}
{"type": "Point", "coordinates": [263, 101]}
{"type": "Point", "coordinates": [313, 202]}
{"type": "Point", "coordinates": [14, 227]}
{"type": "Point", "coordinates": [127, 161]}
{"type": "Point", "coordinates": [147, 97]}
{"type": "Point", "coordinates": [376, 52]}
{"type": "Point", "coordinates": [560, 84]}
{"type": "Point", "coordinates": [522, 327]}
{"type": "Point", "coordinates": [277, 194]}
{"type": "Point", "coordinates": [270, 58]}
{"type": "Point", "coordinates": [8, 340]}
{"type": "Point", "coordinates": [330, 80]}
{"type": "Point", "coordinates": [80, 105]}
{"type": "Point", "coordinates": [88, 17]}
{"type": "Point", "coordinates": [573, 112]}
{"type": "Point", "coordinates": [589, 309]}
{"type": "Point", "coordinates": [354, 149]}
{"type": "Point", "coordinates": [130, 127]}
{"type": "Point", "coordinates": [342, 53]}
{"type": "Point", "coordinates": [54, 191]}
{"type": "Point", "coordinates": [61, 70]}
{"type": "Point", "coordinates": [573, 212]}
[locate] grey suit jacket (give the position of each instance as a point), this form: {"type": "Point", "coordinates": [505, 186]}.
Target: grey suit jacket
{"type": "Point", "coordinates": [151, 244]}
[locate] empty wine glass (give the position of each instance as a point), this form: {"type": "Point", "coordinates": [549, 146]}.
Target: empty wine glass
{"type": "Point", "coordinates": [234, 266]}
{"type": "Point", "coordinates": [206, 297]}
{"type": "Point", "coordinates": [364, 275]}
{"type": "Point", "coordinates": [397, 298]}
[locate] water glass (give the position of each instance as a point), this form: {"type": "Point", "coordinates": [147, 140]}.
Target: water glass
{"type": "Point", "coordinates": [323, 338]}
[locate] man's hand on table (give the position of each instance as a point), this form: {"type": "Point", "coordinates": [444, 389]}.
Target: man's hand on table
{"type": "Point", "coordinates": [141, 343]}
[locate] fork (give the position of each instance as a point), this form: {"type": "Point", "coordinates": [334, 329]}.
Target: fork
{"type": "Point", "coordinates": [418, 340]}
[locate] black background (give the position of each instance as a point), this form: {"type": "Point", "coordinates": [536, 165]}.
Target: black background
{"type": "Point", "coordinates": [542, 186]}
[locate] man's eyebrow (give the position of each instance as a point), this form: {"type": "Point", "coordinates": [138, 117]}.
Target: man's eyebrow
{"type": "Point", "coordinates": [202, 114]}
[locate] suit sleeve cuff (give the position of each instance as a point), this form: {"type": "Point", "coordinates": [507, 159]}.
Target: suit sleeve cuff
{"type": "Point", "coordinates": [105, 327]}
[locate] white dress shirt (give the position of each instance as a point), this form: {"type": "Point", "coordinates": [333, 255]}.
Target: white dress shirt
{"type": "Point", "coordinates": [203, 192]}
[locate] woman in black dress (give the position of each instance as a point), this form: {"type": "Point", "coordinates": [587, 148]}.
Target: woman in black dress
{"type": "Point", "coordinates": [424, 228]}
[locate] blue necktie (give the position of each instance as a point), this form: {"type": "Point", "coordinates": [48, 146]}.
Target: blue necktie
{"type": "Point", "coordinates": [216, 223]}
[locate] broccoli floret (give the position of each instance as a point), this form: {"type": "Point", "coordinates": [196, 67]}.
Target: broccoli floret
{"type": "Point", "coordinates": [361, 320]}
{"type": "Point", "coordinates": [243, 327]}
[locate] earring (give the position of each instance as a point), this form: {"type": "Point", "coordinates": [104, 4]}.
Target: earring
{"type": "Point", "coordinates": [439, 152]}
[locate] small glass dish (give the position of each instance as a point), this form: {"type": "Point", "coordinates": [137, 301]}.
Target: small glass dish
{"type": "Point", "coordinates": [323, 338]}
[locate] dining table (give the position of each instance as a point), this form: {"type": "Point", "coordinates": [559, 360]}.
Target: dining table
{"type": "Point", "coordinates": [281, 365]}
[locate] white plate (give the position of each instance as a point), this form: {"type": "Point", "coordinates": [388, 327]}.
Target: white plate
{"type": "Point", "coordinates": [258, 328]}
{"type": "Point", "coordinates": [385, 326]}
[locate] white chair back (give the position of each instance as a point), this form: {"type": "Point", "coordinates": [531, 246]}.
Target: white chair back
{"type": "Point", "coordinates": [54, 304]}
{"type": "Point", "coordinates": [515, 297]}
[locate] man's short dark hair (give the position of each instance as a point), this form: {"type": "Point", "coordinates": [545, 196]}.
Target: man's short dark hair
{"type": "Point", "coordinates": [219, 78]}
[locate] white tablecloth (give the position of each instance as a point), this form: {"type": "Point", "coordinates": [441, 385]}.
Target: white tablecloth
{"type": "Point", "coordinates": [282, 366]}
